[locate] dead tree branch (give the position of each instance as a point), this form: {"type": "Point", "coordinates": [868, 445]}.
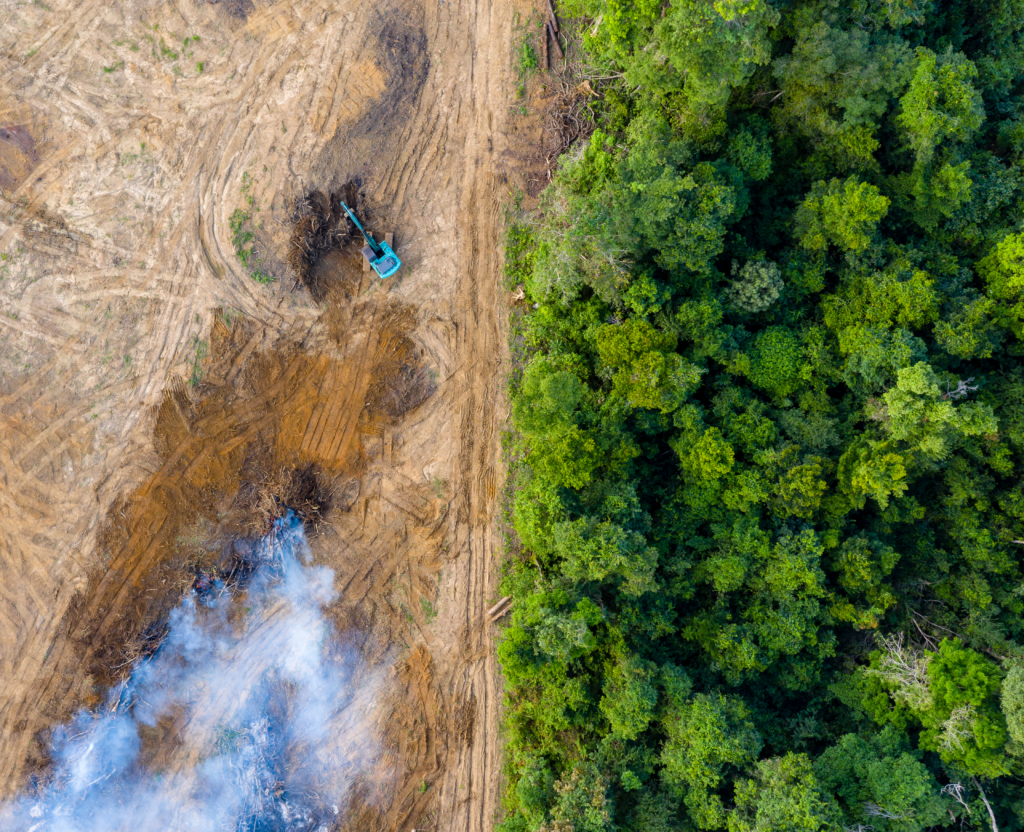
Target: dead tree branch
{"type": "Point", "coordinates": [984, 799]}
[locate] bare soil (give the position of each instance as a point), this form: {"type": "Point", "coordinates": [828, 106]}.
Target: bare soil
{"type": "Point", "coordinates": [157, 403]}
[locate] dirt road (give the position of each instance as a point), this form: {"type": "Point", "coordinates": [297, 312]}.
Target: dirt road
{"type": "Point", "coordinates": [140, 145]}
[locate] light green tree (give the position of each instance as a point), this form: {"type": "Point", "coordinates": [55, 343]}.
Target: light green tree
{"type": "Point", "coordinates": [800, 489]}
{"type": "Point", "coordinates": [669, 205]}
{"type": "Point", "coordinates": [704, 49]}
{"type": "Point", "coordinates": [872, 469]}
{"type": "Point", "coordinates": [840, 213]}
{"type": "Point", "coordinates": [783, 794]}
{"type": "Point", "coordinates": [582, 802]}
{"type": "Point", "coordinates": [1003, 272]}
{"type": "Point", "coordinates": [964, 723]}
{"type": "Point", "coordinates": [972, 330]}
{"type": "Point", "coordinates": [705, 737]}
{"type": "Point", "coordinates": [592, 549]}
{"type": "Point", "coordinates": [941, 103]}
{"type": "Point", "coordinates": [934, 193]}
{"type": "Point", "coordinates": [706, 457]}
{"type": "Point", "coordinates": [878, 780]}
{"type": "Point", "coordinates": [861, 565]}
{"type": "Point", "coordinates": [549, 398]}
{"type": "Point", "coordinates": [775, 361]}
{"type": "Point", "coordinates": [630, 696]}
{"type": "Point", "coordinates": [922, 415]}
{"type": "Point", "coordinates": [837, 84]}
{"type": "Point", "coordinates": [1012, 705]}
{"type": "Point", "coordinates": [646, 372]}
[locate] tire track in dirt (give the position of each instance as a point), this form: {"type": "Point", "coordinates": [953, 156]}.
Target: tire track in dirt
{"type": "Point", "coordinates": [468, 792]}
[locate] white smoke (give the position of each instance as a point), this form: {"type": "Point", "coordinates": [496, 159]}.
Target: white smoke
{"type": "Point", "coordinates": [261, 704]}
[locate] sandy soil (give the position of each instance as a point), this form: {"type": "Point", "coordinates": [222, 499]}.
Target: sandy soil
{"type": "Point", "coordinates": [154, 396]}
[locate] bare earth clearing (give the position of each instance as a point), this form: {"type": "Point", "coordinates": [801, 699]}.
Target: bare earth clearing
{"type": "Point", "coordinates": [155, 398]}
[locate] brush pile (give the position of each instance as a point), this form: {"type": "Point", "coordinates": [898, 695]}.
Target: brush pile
{"type": "Point", "coordinates": [320, 225]}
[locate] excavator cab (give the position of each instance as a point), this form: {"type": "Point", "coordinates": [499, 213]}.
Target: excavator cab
{"type": "Point", "coordinates": [385, 262]}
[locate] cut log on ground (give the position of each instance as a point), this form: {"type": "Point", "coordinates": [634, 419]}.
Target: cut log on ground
{"type": "Point", "coordinates": [554, 40]}
{"type": "Point", "coordinates": [554, 20]}
{"type": "Point", "coordinates": [499, 609]}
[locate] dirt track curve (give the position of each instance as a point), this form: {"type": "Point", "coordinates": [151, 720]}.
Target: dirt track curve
{"type": "Point", "coordinates": [130, 134]}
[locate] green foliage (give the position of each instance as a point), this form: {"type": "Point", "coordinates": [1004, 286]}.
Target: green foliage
{"type": "Point", "coordinates": [526, 60]}
{"type": "Point", "coordinates": [167, 52]}
{"type": "Point", "coordinates": [839, 81]}
{"type": "Point", "coordinates": [1012, 704]}
{"type": "Point", "coordinates": [941, 103]}
{"type": "Point", "coordinates": [880, 780]}
{"type": "Point", "coordinates": [202, 348]}
{"type": "Point", "coordinates": [671, 210]}
{"type": "Point", "coordinates": [535, 789]}
{"type": "Point", "coordinates": [952, 694]}
{"type": "Point", "coordinates": [520, 253]}
{"type": "Point", "coordinates": [872, 469]}
{"type": "Point", "coordinates": [646, 372]}
{"type": "Point", "coordinates": [838, 213]}
{"type": "Point", "coordinates": [527, 57]}
{"type": "Point", "coordinates": [920, 415]}
{"type": "Point", "coordinates": [964, 723]}
{"type": "Point", "coordinates": [595, 549]}
{"type": "Point", "coordinates": [860, 566]}
{"type": "Point", "coordinates": [242, 236]}
{"type": "Point", "coordinates": [581, 801]}
{"type": "Point", "coordinates": [630, 697]}
{"type": "Point", "coordinates": [750, 152]}
{"type": "Point", "coordinates": [897, 294]}
{"type": "Point", "coordinates": [704, 736]}
{"type": "Point", "coordinates": [769, 426]}
{"type": "Point", "coordinates": [932, 195]}
{"type": "Point", "coordinates": [1003, 272]}
{"type": "Point", "coordinates": [775, 361]}
{"type": "Point", "coordinates": [706, 49]}
{"type": "Point", "coordinates": [783, 794]}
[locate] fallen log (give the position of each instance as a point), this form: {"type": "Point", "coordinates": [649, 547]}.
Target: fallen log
{"type": "Point", "coordinates": [554, 20]}
{"type": "Point", "coordinates": [554, 40]}
{"type": "Point", "coordinates": [499, 609]}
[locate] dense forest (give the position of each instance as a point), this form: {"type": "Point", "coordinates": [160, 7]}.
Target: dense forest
{"type": "Point", "coordinates": [768, 441]}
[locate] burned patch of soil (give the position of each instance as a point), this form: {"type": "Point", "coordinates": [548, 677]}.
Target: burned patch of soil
{"type": "Point", "coordinates": [18, 156]}
{"type": "Point", "coordinates": [266, 429]}
{"type": "Point", "coordinates": [402, 58]}
{"type": "Point", "coordinates": [226, 469]}
{"type": "Point", "coordinates": [405, 389]}
{"type": "Point", "coordinates": [238, 9]}
{"type": "Point", "coordinates": [402, 55]}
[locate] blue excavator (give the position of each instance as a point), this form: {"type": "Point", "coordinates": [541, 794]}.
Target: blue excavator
{"type": "Point", "coordinates": [380, 256]}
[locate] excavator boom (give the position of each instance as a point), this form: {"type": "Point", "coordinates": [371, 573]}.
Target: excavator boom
{"type": "Point", "coordinates": [379, 255]}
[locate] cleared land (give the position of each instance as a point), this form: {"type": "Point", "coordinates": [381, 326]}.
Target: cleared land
{"type": "Point", "coordinates": [155, 398]}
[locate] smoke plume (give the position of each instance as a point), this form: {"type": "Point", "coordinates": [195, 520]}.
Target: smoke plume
{"type": "Point", "coordinates": [257, 706]}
